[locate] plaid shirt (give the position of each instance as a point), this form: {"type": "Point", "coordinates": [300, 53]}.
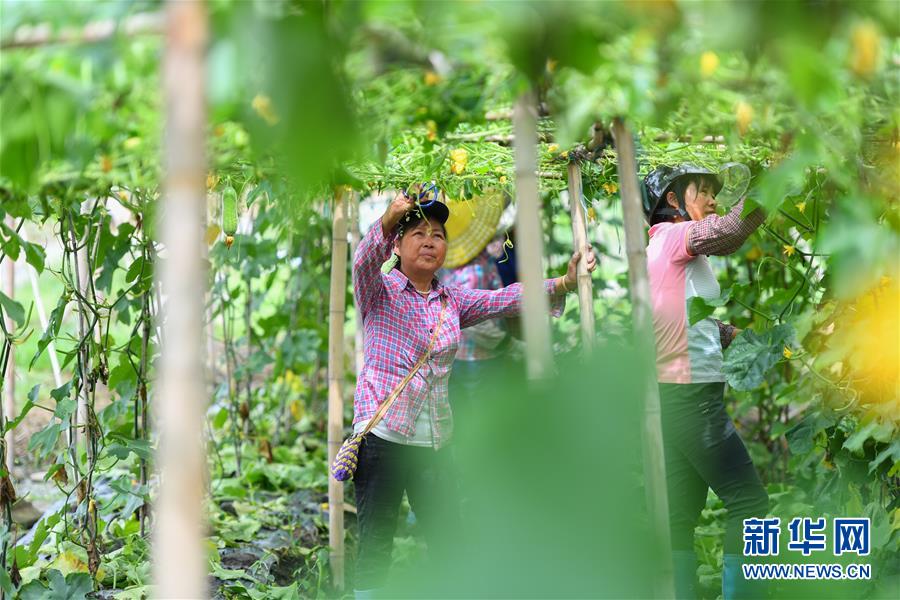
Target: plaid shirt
{"type": "Point", "coordinates": [478, 274]}
{"type": "Point", "coordinates": [723, 235]}
{"type": "Point", "coordinates": [397, 326]}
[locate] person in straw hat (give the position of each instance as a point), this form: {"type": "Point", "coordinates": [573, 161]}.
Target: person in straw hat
{"type": "Point", "coordinates": [412, 326]}
{"type": "Point", "coordinates": [472, 225]}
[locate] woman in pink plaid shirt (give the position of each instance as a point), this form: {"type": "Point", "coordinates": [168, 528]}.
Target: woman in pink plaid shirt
{"type": "Point", "coordinates": [406, 450]}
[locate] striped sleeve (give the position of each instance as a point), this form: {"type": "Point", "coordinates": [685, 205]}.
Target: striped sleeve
{"type": "Point", "coordinates": [476, 306]}
{"type": "Point", "coordinates": [371, 253]}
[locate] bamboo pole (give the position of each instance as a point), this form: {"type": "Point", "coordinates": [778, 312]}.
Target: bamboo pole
{"type": "Point", "coordinates": [9, 387]}
{"type": "Point", "coordinates": [82, 272]}
{"type": "Point", "coordinates": [639, 285]}
{"type": "Point", "coordinates": [45, 323]}
{"type": "Point", "coordinates": [336, 312]}
{"type": "Point", "coordinates": [580, 241]}
{"type": "Point", "coordinates": [179, 551]}
{"type": "Point", "coordinates": [535, 305]}
{"type": "Point", "coordinates": [355, 235]}
{"type": "Point", "coordinates": [43, 34]}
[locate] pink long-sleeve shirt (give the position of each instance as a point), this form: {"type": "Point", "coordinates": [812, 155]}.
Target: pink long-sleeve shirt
{"type": "Point", "coordinates": [679, 271]}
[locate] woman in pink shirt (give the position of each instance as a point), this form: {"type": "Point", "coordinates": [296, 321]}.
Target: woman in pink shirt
{"type": "Point", "coordinates": [702, 448]}
{"type": "Point", "coordinates": [401, 305]}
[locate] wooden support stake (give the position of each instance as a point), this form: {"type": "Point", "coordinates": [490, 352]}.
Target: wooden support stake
{"type": "Point", "coordinates": [9, 386]}
{"type": "Point", "coordinates": [45, 323]}
{"type": "Point", "coordinates": [579, 241]}
{"type": "Point", "coordinates": [336, 314]}
{"type": "Point", "coordinates": [530, 236]}
{"type": "Point", "coordinates": [355, 236]}
{"type": "Point", "coordinates": [639, 285]}
{"type": "Point", "coordinates": [179, 552]}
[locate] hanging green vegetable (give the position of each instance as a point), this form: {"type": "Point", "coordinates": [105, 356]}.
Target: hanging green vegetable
{"type": "Point", "coordinates": [229, 215]}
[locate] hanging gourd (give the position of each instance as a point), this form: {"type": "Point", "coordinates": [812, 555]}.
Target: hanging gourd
{"type": "Point", "coordinates": [229, 214]}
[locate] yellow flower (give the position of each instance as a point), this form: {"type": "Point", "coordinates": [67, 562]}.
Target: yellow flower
{"type": "Point", "coordinates": [211, 181]}
{"type": "Point", "coordinates": [709, 62]}
{"type": "Point", "coordinates": [132, 143]}
{"type": "Point", "coordinates": [610, 188]}
{"type": "Point", "coordinates": [591, 214]}
{"type": "Point", "coordinates": [460, 158]}
{"type": "Point", "coordinates": [789, 250]}
{"type": "Point", "coordinates": [787, 353]}
{"type": "Point", "coordinates": [866, 49]}
{"type": "Point", "coordinates": [106, 163]}
{"type": "Point", "coordinates": [801, 206]}
{"type": "Point", "coordinates": [262, 104]}
{"type": "Point", "coordinates": [743, 113]}
{"type": "Point", "coordinates": [431, 126]}
{"type": "Point", "coordinates": [459, 155]}
{"type": "Point", "coordinates": [503, 179]}
{"type": "Point", "coordinates": [432, 78]}
{"type": "Point", "coordinates": [553, 148]}
{"type": "Point", "coordinates": [551, 65]}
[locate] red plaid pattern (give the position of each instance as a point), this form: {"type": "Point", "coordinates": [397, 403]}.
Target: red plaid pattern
{"type": "Point", "coordinates": [397, 326]}
{"type": "Point", "coordinates": [723, 235]}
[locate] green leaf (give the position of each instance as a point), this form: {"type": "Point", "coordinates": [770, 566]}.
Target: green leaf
{"type": "Point", "coordinates": [12, 308]}
{"type": "Point", "coordinates": [700, 308]}
{"type": "Point", "coordinates": [138, 592]}
{"type": "Point", "coordinates": [276, 593]}
{"type": "Point", "coordinates": [45, 440]}
{"type": "Point", "coordinates": [801, 437]}
{"type": "Point", "coordinates": [62, 392]}
{"type": "Point", "coordinates": [35, 256]}
{"type": "Point", "coordinates": [134, 269]}
{"type": "Point", "coordinates": [52, 327]}
{"type": "Point", "coordinates": [751, 355]}
{"type": "Point", "coordinates": [124, 446]}
{"type": "Point", "coordinates": [43, 530]}
{"type": "Point", "coordinates": [892, 452]}
{"type": "Point", "coordinates": [74, 586]}
{"type": "Point", "coordinates": [5, 583]}
{"type": "Point", "coordinates": [228, 574]}
{"type": "Point", "coordinates": [11, 244]}
{"type": "Point", "coordinates": [29, 404]}
{"type": "Point", "coordinates": [220, 418]}
{"type": "Point", "coordinates": [873, 429]}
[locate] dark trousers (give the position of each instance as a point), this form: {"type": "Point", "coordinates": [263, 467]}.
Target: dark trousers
{"type": "Point", "coordinates": [703, 450]}
{"type": "Point", "coordinates": [385, 471]}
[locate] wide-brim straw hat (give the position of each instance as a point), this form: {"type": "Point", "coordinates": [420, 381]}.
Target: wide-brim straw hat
{"type": "Point", "coordinates": [472, 224]}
